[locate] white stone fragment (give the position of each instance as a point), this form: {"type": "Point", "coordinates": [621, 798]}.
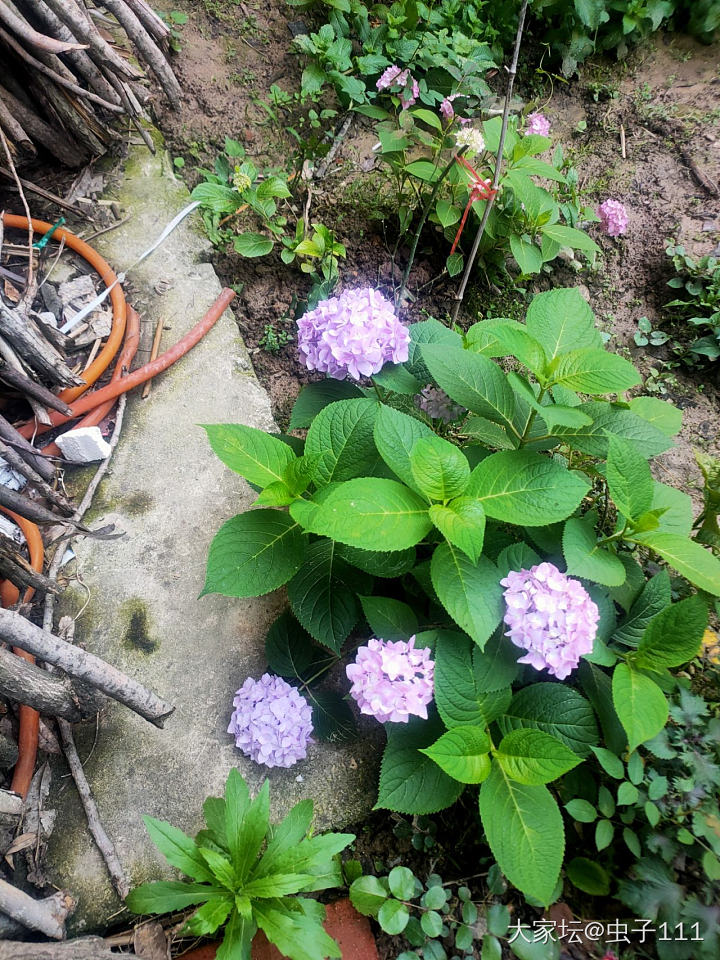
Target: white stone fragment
{"type": "Point", "coordinates": [83, 445]}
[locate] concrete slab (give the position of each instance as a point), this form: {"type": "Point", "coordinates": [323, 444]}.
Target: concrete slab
{"type": "Point", "coordinates": [139, 597]}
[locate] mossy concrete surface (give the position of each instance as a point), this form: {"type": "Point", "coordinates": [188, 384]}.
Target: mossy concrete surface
{"type": "Point", "coordinates": [169, 494]}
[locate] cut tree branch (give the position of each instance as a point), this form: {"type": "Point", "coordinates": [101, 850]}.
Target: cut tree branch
{"type": "Point", "coordinates": [54, 696]}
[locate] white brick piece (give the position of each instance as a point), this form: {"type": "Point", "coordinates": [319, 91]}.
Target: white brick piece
{"type": "Point", "coordinates": [83, 445]}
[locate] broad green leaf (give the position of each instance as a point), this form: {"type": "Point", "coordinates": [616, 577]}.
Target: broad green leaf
{"type": "Point", "coordinates": [629, 479]}
{"type": "Point", "coordinates": [516, 556]}
{"type": "Point", "coordinates": [214, 814]}
{"type": "Point", "coordinates": [396, 377]}
{"type": "Point", "coordinates": [276, 885]}
{"type": "Point", "coordinates": [501, 338]}
{"type": "Point", "coordinates": [276, 494]}
{"type": "Point", "coordinates": [674, 635]}
{"type": "Point", "coordinates": [570, 237]}
{"type": "Point", "coordinates": [597, 686]}
{"type": "Point", "coordinates": [333, 720]}
{"type": "Point", "coordinates": [323, 594]}
{"type": "Point", "coordinates": [677, 507]}
{"type": "Point", "coordinates": [411, 782]}
{"type": "Point", "coordinates": [341, 436]}
{"type": "Point", "coordinates": [553, 414]}
{"type": "Point", "coordinates": [393, 917]}
{"type": "Point", "coordinates": [368, 894]}
{"type": "Point", "coordinates": [294, 933]}
{"type": "Point", "coordinates": [490, 434]}
{"type": "Point", "coordinates": [538, 168]}
{"type": "Point", "coordinates": [471, 686]}
{"type": "Point", "coordinates": [526, 947]}
{"type": "Point", "coordinates": [581, 810]}
{"type": "Point", "coordinates": [471, 593]}
{"type": "Point", "coordinates": [593, 371]}
{"type": "Point", "coordinates": [245, 837]}
{"type": "Point", "coordinates": [593, 14]}
{"type": "Point", "coordinates": [290, 651]}
{"type": "Point", "coordinates": [612, 419]}
{"type": "Point", "coordinates": [525, 488]}
{"type": "Point", "coordinates": [689, 558]}
{"type": "Point", "coordinates": [640, 704]}
{"type": "Point", "coordinates": [401, 881]}
{"type": "Point", "coordinates": [388, 618]}
{"type": "Point", "coordinates": [284, 836]}
{"type": "Point", "coordinates": [217, 197]}
{"type": "Point", "coordinates": [237, 805]}
{"type": "Point", "coordinates": [610, 762]}
{"type": "Point", "coordinates": [661, 413]}
{"type": "Point", "coordinates": [447, 213]}
{"type": "Point", "coordinates": [462, 753]}
{"type": "Point", "coordinates": [534, 757]}
{"type": "Point", "coordinates": [313, 397]}
{"type": "Point", "coordinates": [653, 598]}
{"type": "Point", "coordinates": [374, 514]}
{"type": "Point", "coordinates": [253, 554]}
{"type": "Point", "coordinates": [524, 828]}
{"type": "Point", "coordinates": [273, 187]}
{"type": "Point", "coordinates": [178, 849]}
{"type": "Point", "coordinates": [588, 876]}
{"type": "Point", "coordinates": [427, 116]}
{"type": "Point", "coordinates": [471, 380]}
{"type": "Point", "coordinates": [428, 331]}
{"type": "Point", "coordinates": [252, 245]}
{"type": "Point", "coordinates": [237, 937]}
{"type": "Point", "coordinates": [586, 558]}
{"type": "Point", "coordinates": [209, 917]}
{"type": "Point", "coordinates": [220, 866]}
{"type": "Point", "coordinates": [389, 565]}
{"type": "Point", "coordinates": [395, 435]}
{"type": "Point", "coordinates": [462, 523]}
{"type": "Point", "coordinates": [604, 832]}
{"type": "Point", "coordinates": [315, 856]}
{"type": "Point", "coordinates": [556, 709]}
{"type": "Point", "coordinates": [561, 321]}
{"type": "Point", "coordinates": [164, 896]}
{"type": "Point", "coordinates": [440, 470]}
{"type": "Point", "coordinates": [254, 454]}
{"type": "Point", "coordinates": [527, 254]}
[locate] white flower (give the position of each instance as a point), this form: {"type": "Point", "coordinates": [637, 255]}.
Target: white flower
{"type": "Point", "coordinates": [471, 138]}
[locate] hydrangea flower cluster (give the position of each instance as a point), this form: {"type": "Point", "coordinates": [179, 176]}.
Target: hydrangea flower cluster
{"type": "Point", "coordinates": [446, 107]}
{"type": "Point", "coordinates": [355, 334]}
{"type": "Point", "coordinates": [272, 722]}
{"type": "Point", "coordinates": [537, 123]}
{"type": "Point", "coordinates": [241, 181]}
{"type": "Point", "coordinates": [392, 681]}
{"type": "Point", "coordinates": [613, 217]}
{"type": "Point", "coordinates": [471, 138]}
{"type": "Point", "coordinates": [551, 616]}
{"type": "Point", "coordinates": [393, 76]}
{"type": "Point", "coordinates": [436, 403]}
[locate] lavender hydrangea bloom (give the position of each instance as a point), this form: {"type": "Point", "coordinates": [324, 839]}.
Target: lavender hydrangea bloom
{"type": "Point", "coordinates": [392, 681]}
{"type": "Point", "coordinates": [537, 123]}
{"type": "Point", "coordinates": [436, 403]}
{"type": "Point", "coordinates": [355, 334]}
{"type": "Point", "coordinates": [391, 77]}
{"type": "Point", "coordinates": [613, 217]}
{"type": "Point", "coordinates": [272, 722]}
{"type": "Point", "coordinates": [551, 616]}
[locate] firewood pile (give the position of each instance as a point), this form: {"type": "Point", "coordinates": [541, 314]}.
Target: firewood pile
{"type": "Point", "coordinates": [69, 67]}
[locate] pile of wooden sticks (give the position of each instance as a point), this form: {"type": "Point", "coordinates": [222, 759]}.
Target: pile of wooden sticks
{"type": "Point", "coordinates": [65, 74]}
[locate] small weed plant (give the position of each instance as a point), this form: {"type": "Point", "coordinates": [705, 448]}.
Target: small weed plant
{"type": "Point", "coordinates": [697, 301]}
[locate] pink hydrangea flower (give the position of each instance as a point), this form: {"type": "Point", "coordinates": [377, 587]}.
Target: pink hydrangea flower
{"type": "Point", "coordinates": [410, 93]}
{"type": "Point", "coordinates": [353, 334]}
{"type": "Point", "coordinates": [392, 681]}
{"type": "Point", "coordinates": [391, 77]}
{"type": "Point", "coordinates": [551, 616]}
{"type": "Point", "coordinates": [437, 404]}
{"type": "Point", "coordinates": [272, 722]}
{"type": "Point", "coordinates": [446, 107]}
{"type": "Point", "coordinates": [537, 123]}
{"type": "Point", "coordinates": [613, 217]}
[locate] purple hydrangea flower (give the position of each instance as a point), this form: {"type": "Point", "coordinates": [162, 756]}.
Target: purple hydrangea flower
{"type": "Point", "coordinates": [392, 681]}
{"type": "Point", "coordinates": [272, 722]}
{"type": "Point", "coordinates": [446, 108]}
{"type": "Point", "coordinates": [391, 77]}
{"type": "Point", "coordinates": [551, 616]}
{"type": "Point", "coordinates": [537, 123]}
{"type": "Point", "coordinates": [355, 333]}
{"type": "Point", "coordinates": [613, 217]}
{"type": "Point", "coordinates": [436, 403]}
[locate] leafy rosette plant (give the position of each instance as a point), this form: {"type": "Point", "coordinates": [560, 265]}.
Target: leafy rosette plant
{"type": "Point", "coordinates": [246, 875]}
{"type": "Point", "coordinates": [519, 531]}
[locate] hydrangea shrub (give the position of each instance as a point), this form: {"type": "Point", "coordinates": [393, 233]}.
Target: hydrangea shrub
{"type": "Point", "coordinates": [511, 542]}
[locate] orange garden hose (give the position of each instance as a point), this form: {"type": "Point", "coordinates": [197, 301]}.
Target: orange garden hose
{"type": "Point", "coordinates": [29, 718]}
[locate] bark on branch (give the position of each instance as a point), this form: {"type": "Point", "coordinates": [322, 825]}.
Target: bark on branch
{"type": "Point", "coordinates": [87, 948]}
{"type": "Point", "coordinates": [55, 696]}
{"type": "Point", "coordinates": [47, 916]}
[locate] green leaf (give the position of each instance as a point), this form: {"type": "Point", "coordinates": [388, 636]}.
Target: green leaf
{"type": "Point", "coordinates": [273, 187]}
{"type": "Point", "coordinates": [427, 116]}
{"type": "Point", "coordinates": [462, 523]}
{"type": "Point", "coordinates": [524, 828]}
{"type": "Point", "coordinates": [411, 782]}
{"type": "Point", "coordinates": [431, 923]}
{"type": "Point", "coordinates": [581, 810]}
{"type": "Point", "coordinates": [217, 197]}
{"type": "Point", "coordinates": [447, 213]}
{"type": "Point", "coordinates": [640, 704]}
{"type": "Point", "coordinates": [470, 592]}
{"type": "Point", "coordinates": [677, 507]}
{"type": "Point", "coordinates": [372, 513]}
{"type": "Point", "coordinates": [462, 753]}
{"type": "Point", "coordinates": [491, 948]}
{"type": "Point", "coordinates": [389, 565]}
{"type": "Point", "coordinates": [528, 255]}
{"type": "Point", "coordinates": [489, 434]}
{"type": "Point", "coordinates": [454, 263]}
{"type": "Point", "coordinates": [516, 556]}
{"type": "Point", "coordinates": [314, 397]}
{"type": "Point", "coordinates": [593, 371]}
{"type": "Point", "coordinates": [423, 170]}
{"type": "Point", "coordinates": [612, 419]}
{"type": "Point", "coordinates": [401, 881]}
{"type": "Point", "coordinates": [661, 413]}
{"type": "Point", "coordinates": [586, 558]}
{"type": "Point", "coordinates": [209, 917]}
{"type": "Point", "coordinates": [367, 895]}
{"type": "Point", "coordinates": [525, 488]}
{"type": "Point", "coordinates": [561, 321]}
{"type": "Point", "coordinates": [237, 938]}
{"type": "Point", "coordinates": [214, 814]}
{"type": "Point", "coordinates": [254, 454]}
{"type": "Point", "coordinates": [654, 597]}
{"type": "Point", "coordinates": [276, 885]}
{"type": "Point", "coordinates": [245, 834]}
{"type": "Point", "coordinates": [588, 876]}
{"type": "Point", "coordinates": [178, 849]}
{"type": "Point", "coordinates": [604, 832]}
{"type": "Point", "coordinates": [220, 866]}
{"type": "Point", "coordinates": [538, 168]}
{"type": "Point", "coordinates": [501, 338]}
{"type": "Point", "coordinates": [341, 436]}
{"type": "Point", "coordinates": [164, 896]}
{"type": "Point", "coordinates": [534, 757]}
{"type": "Point", "coordinates": [396, 377]}
{"type": "Point", "coordinates": [253, 554]}
{"type": "Point", "coordinates": [323, 596]}
{"type": "Point", "coordinates": [439, 468]}
{"type": "Point", "coordinates": [597, 686]}
{"type": "Point", "coordinates": [252, 245]}
{"type": "Point", "coordinates": [284, 836]}
{"type": "Point", "coordinates": [687, 557]}
{"type": "Point", "coordinates": [294, 933]}
{"type": "Point", "coordinates": [471, 686]}
{"type": "Point", "coordinates": [388, 618]}
{"type": "Point", "coordinates": [428, 331]}
{"type": "Point", "coordinates": [471, 380]}
{"type": "Point", "coordinates": [570, 237]}
{"type": "Point", "coordinates": [610, 762]}
{"type": "Point", "coordinates": [395, 436]}
{"type": "Point", "coordinates": [627, 794]}
{"type": "Point", "coordinates": [333, 720]}
{"type": "Point", "coordinates": [556, 709]}
{"type": "Point", "coordinates": [629, 479]}
{"type": "Point", "coordinates": [674, 635]}
{"type": "Point", "coordinates": [393, 917]}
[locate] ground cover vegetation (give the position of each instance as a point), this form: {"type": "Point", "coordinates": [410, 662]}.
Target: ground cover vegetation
{"type": "Point", "coordinates": [465, 518]}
